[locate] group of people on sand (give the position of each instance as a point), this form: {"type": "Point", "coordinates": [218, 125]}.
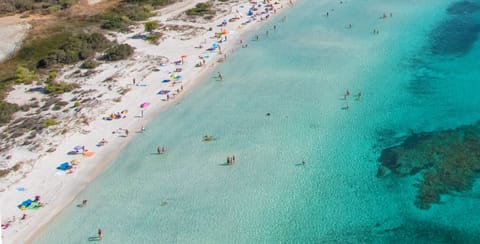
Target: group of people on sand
{"type": "Point", "coordinates": [117, 115]}
{"type": "Point", "coordinates": [121, 130]}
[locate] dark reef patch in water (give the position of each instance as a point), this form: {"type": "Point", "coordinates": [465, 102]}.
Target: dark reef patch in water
{"type": "Point", "coordinates": [463, 7]}
{"type": "Point", "coordinates": [449, 160]}
{"type": "Point", "coordinates": [429, 232]}
{"type": "Point", "coordinates": [451, 38]}
{"type": "Point", "coordinates": [409, 231]}
{"type": "Point", "coordinates": [455, 36]}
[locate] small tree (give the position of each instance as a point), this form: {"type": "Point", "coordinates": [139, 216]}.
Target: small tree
{"type": "Point", "coordinates": [51, 77]}
{"type": "Point", "coordinates": [150, 26]}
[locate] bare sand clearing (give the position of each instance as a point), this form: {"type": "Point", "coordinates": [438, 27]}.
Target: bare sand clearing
{"type": "Point", "coordinates": [13, 30]}
{"type": "Point", "coordinates": [111, 88]}
{"type": "Point", "coordinates": [93, 2]}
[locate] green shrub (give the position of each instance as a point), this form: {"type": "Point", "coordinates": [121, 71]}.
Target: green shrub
{"type": "Point", "coordinates": [118, 52]}
{"type": "Point", "coordinates": [54, 8]}
{"type": "Point", "coordinates": [75, 48]}
{"type": "Point", "coordinates": [89, 64]}
{"type": "Point", "coordinates": [51, 77]}
{"type": "Point", "coordinates": [122, 16]}
{"type": "Point", "coordinates": [24, 75]}
{"type": "Point", "coordinates": [19, 6]}
{"type": "Point", "coordinates": [200, 9]}
{"type": "Point", "coordinates": [150, 26]}
{"type": "Point", "coordinates": [76, 104]}
{"type": "Point", "coordinates": [60, 87]}
{"type": "Point", "coordinates": [153, 37]}
{"type": "Point", "coordinates": [49, 122]}
{"type": "Point", "coordinates": [115, 22]}
{"type": "Point", "coordinates": [137, 13]}
{"type": "Point", "coordinates": [6, 111]}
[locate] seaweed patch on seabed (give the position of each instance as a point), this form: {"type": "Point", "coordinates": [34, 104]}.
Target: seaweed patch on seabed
{"type": "Point", "coordinates": [457, 35]}
{"type": "Point", "coordinates": [449, 161]}
{"type": "Point", "coordinates": [451, 38]}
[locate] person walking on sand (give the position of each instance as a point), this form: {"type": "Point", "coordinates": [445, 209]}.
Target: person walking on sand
{"type": "Point", "coordinates": [220, 76]}
{"type": "Point", "coordinates": [126, 132]}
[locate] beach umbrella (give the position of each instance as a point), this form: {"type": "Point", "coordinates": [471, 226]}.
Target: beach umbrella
{"type": "Point", "coordinates": [215, 45]}
{"type": "Point", "coordinates": [78, 148]}
{"type": "Point", "coordinates": [144, 105]}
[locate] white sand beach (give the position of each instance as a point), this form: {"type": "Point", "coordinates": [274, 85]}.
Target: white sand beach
{"type": "Point", "coordinates": [110, 89]}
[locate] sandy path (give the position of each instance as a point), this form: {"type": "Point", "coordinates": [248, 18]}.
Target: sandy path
{"type": "Point", "coordinates": [13, 30]}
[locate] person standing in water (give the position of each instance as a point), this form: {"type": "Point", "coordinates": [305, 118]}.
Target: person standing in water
{"type": "Point", "coordinates": [220, 76]}
{"type": "Point", "coordinates": [100, 234]}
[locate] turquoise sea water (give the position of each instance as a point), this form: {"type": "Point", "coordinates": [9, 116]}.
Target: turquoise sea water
{"type": "Point", "coordinates": [420, 73]}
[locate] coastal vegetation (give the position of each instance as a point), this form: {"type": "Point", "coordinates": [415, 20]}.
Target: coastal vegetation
{"type": "Point", "coordinates": [89, 64]}
{"type": "Point", "coordinates": [150, 25]}
{"type": "Point", "coordinates": [201, 9]}
{"type": "Point", "coordinates": [118, 52]}
{"type": "Point", "coordinates": [76, 47]}
{"type": "Point", "coordinates": [67, 40]}
{"type": "Point", "coordinates": [34, 6]}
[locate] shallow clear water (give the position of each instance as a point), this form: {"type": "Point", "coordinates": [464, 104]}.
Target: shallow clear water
{"type": "Point", "coordinates": [409, 79]}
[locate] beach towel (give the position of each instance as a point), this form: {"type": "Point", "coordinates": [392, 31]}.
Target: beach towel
{"type": "Point", "coordinates": [25, 204]}
{"type": "Point", "coordinates": [163, 92]}
{"type": "Point", "coordinates": [64, 166]}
